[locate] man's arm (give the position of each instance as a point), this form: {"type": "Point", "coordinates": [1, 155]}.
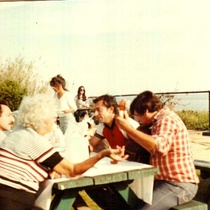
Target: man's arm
{"type": "Point", "coordinates": [145, 140]}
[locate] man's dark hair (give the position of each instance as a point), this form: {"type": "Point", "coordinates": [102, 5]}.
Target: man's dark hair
{"type": "Point", "coordinates": [146, 100]}
{"type": "Point", "coordinates": [3, 102]}
{"type": "Point", "coordinates": [108, 101]}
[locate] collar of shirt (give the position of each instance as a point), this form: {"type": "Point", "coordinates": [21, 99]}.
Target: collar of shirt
{"type": "Point", "coordinates": [160, 113]}
{"type": "Point", "coordinates": [110, 127]}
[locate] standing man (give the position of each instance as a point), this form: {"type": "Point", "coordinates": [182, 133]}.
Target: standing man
{"type": "Point", "coordinates": [6, 119]}
{"type": "Point", "coordinates": [169, 146]}
{"type": "Point", "coordinates": [106, 109]}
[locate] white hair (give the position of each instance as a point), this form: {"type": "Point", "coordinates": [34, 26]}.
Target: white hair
{"type": "Point", "coordinates": [35, 110]}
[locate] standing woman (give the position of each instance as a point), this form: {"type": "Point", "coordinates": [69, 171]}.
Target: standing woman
{"type": "Point", "coordinates": [65, 101]}
{"type": "Point", "coordinates": [82, 102]}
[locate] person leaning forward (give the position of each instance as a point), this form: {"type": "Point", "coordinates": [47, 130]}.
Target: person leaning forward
{"type": "Point", "coordinates": [169, 146]}
{"type": "Point", "coordinates": [106, 108]}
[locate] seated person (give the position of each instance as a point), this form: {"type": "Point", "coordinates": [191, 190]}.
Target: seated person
{"type": "Point", "coordinates": [6, 119]}
{"type": "Point", "coordinates": [82, 102]}
{"type": "Point", "coordinates": [27, 158]}
{"type": "Point", "coordinates": [169, 146]}
{"type": "Point", "coordinates": [106, 109]}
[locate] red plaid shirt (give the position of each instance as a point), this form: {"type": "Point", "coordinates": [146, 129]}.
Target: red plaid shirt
{"type": "Point", "coordinates": [172, 154]}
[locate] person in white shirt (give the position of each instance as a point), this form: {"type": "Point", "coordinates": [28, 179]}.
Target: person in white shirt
{"type": "Point", "coordinates": [66, 105]}
{"type": "Point", "coordinates": [6, 119]}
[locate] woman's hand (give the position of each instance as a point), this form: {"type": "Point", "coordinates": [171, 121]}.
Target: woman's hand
{"type": "Point", "coordinates": [117, 154]}
{"type": "Point", "coordinates": [116, 157]}
{"type": "Point", "coordinates": [54, 175]}
{"type": "Point", "coordinates": [67, 111]}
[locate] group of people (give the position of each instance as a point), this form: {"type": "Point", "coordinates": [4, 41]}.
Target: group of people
{"type": "Point", "coordinates": [27, 158]}
{"type": "Point", "coordinates": [68, 106]}
{"type": "Point", "coordinates": [167, 143]}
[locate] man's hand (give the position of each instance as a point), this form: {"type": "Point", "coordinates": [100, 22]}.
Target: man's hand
{"type": "Point", "coordinates": [123, 122]}
{"type": "Point", "coordinates": [118, 154]}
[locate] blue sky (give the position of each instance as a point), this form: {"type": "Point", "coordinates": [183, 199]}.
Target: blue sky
{"type": "Point", "coordinates": [112, 46]}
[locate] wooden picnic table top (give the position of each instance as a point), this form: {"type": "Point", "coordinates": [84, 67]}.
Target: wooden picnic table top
{"type": "Point", "coordinates": [107, 175]}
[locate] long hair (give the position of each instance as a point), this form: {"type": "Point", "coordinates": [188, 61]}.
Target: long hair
{"type": "Point", "coordinates": [58, 80]}
{"type": "Point", "coordinates": [84, 97]}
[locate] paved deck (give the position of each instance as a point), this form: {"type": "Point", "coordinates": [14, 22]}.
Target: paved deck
{"type": "Point", "coordinates": [200, 145]}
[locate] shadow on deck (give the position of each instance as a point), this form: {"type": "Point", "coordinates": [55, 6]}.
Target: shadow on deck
{"type": "Point", "coordinates": [203, 191]}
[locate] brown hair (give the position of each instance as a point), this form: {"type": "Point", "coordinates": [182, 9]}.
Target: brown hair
{"type": "Point", "coordinates": [84, 97]}
{"type": "Point", "coordinates": [146, 100]}
{"type": "Point", "coordinates": [108, 102]}
{"type": "Point", "coordinates": [58, 80]}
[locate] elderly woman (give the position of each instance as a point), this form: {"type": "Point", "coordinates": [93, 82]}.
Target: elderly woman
{"type": "Point", "coordinates": [27, 158]}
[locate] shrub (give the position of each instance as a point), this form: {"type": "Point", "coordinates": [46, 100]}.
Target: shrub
{"type": "Point", "coordinates": [195, 120]}
{"type": "Point", "coordinates": [25, 74]}
{"type": "Point", "coordinates": [12, 92]}
{"type": "Point", "coordinates": [19, 78]}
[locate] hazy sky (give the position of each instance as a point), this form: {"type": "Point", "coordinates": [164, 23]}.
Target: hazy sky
{"type": "Point", "coordinates": [112, 46]}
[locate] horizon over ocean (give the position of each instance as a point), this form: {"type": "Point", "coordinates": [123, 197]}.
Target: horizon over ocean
{"type": "Point", "coordinates": [189, 101]}
{"type": "Point", "coordinates": [195, 101]}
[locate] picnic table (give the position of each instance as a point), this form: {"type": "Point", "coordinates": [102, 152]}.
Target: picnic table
{"type": "Point", "coordinates": [131, 180]}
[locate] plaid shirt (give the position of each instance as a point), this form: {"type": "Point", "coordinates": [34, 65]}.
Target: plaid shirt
{"type": "Point", "coordinates": [172, 154]}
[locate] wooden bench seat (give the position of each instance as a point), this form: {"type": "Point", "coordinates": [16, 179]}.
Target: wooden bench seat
{"type": "Point", "coordinates": [191, 205]}
{"type": "Point", "coordinates": [202, 165]}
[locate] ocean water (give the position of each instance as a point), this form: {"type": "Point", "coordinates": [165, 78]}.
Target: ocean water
{"type": "Point", "coordinates": [190, 101]}
{"type": "Point", "coordinates": [194, 101]}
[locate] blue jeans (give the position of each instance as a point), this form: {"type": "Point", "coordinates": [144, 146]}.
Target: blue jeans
{"type": "Point", "coordinates": [169, 194]}
{"type": "Point", "coordinates": [78, 114]}
{"type": "Point", "coordinates": [64, 122]}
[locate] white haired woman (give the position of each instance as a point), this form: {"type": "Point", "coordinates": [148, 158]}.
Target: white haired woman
{"type": "Point", "coordinates": [27, 158]}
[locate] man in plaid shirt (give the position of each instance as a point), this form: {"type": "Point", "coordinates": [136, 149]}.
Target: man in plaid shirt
{"type": "Point", "coordinates": [169, 146]}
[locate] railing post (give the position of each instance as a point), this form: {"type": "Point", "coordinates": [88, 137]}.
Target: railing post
{"type": "Point", "coordinates": [209, 110]}
{"type": "Point", "coordinates": [207, 133]}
